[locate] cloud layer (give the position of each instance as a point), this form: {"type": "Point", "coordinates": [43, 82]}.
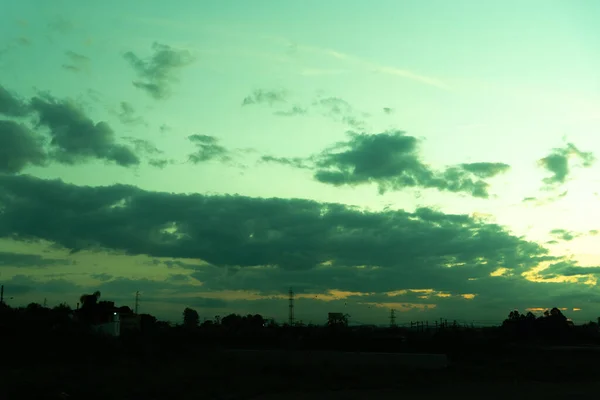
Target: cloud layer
{"type": "Point", "coordinates": [267, 245]}
{"type": "Point", "coordinates": [391, 160]}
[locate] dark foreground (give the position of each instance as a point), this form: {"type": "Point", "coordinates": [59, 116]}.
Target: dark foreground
{"type": "Point", "coordinates": [217, 374]}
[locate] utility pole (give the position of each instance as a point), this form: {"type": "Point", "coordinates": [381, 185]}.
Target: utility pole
{"type": "Point", "coordinates": [392, 318]}
{"type": "Point", "coordinates": [291, 306]}
{"type": "Point", "coordinates": [137, 302]}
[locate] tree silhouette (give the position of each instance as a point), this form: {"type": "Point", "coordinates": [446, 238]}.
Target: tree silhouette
{"type": "Point", "coordinates": [89, 300]}
{"type": "Point", "coordinates": [191, 319]}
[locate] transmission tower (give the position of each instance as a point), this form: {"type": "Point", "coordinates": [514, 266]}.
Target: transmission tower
{"type": "Point", "coordinates": [291, 300]}
{"type": "Point", "coordinates": [137, 301]}
{"type": "Point", "coordinates": [392, 318]}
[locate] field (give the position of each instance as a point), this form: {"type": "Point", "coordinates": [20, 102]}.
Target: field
{"type": "Point", "coordinates": [519, 373]}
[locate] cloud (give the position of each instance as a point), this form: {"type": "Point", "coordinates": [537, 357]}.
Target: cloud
{"type": "Point", "coordinates": [77, 62]}
{"type": "Point", "coordinates": [10, 105]}
{"type": "Point", "coordinates": [557, 163]}
{"type": "Point", "coordinates": [61, 25]}
{"type": "Point", "coordinates": [330, 107]}
{"type": "Point", "coordinates": [546, 200]}
{"type": "Point", "coordinates": [208, 149]}
{"type": "Point", "coordinates": [563, 234]}
{"type": "Point", "coordinates": [158, 72]}
{"type": "Point", "coordinates": [102, 277]}
{"type": "Point", "coordinates": [485, 170]}
{"type": "Point", "coordinates": [23, 284]}
{"type": "Point", "coordinates": [152, 153]}
{"type": "Point", "coordinates": [388, 110]}
{"type": "Point", "coordinates": [19, 147]}
{"type": "Point", "coordinates": [264, 246]}
{"type": "Point", "coordinates": [340, 110]}
{"type": "Point", "coordinates": [295, 110]}
{"type": "Point", "coordinates": [269, 97]}
{"type": "Point", "coordinates": [367, 65]}
{"type": "Point", "coordinates": [240, 232]}
{"type": "Point", "coordinates": [127, 115]}
{"type": "Point", "coordinates": [75, 137]}
{"type": "Point", "coordinates": [164, 128]}
{"type": "Point", "coordinates": [391, 160]}
{"type": "Point", "coordinates": [568, 268]}
{"type": "Point", "coordinates": [295, 162]}
{"type": "Point", "coordinates": [19, 260]}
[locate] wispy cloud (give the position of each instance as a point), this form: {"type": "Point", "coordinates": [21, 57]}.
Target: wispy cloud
{"type": "Point", "coordinates": [366, 64]}
{"type": "Point", "coordinates": [76, 62]}
{"type": "Point", "coordinates": [294, 47]}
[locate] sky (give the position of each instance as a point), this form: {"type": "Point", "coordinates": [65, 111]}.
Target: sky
{"type": "Point", "coordinates": [435, 158]}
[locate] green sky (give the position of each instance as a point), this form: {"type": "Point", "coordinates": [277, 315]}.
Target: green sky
{"type": "Point", "coordinates": [435, 157]}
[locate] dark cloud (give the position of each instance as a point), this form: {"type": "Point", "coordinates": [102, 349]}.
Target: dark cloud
{"type": "Point", "coordinates": [392, 161]}
{"type": "Point", "coordinates": [19, 147]}
{"type": "Point", "coordinates": [236, 231]}
{"type": "Point", "coordinates": [160, 162]}
{"type": "Point", "coordinates": [144, 146]}
{"type": "Point", "coordinates": [568, 268]}
{"type": "Point", "coordinates": [10, 105]}
{"type": "Point", "coordinates": [485, 170]}
{"type": "Point", "coordinates": [164, 128]}
{"type": "Point", "coordinates": [75, 137]}
{"type": "Point", "coordinates": [177, 264]}
{"type": "Point", "coordinates": [388, 110]}
{"type": "Point", "coordinates": [269, 97]}
{"type": "Point", "coordinates": [295, 110]}
{"type": "Point", "coordinates": [158, 72]}
{"type": "Point", "coordinates": [20, 260]}
{"type": "Point", "coordinates": [341, 111]}
{"type": "Point", "coordinates": [77, 62]}
{"type": "Point", "coordinates": [563, 234]}
{"type": "Point", "coordinates": [148, 150]}
{"type": "Point", "coordinates": [127, 114]}
{"type": "Point", "coordinates": [296, 162]}
{"type": "Point", "coordinates": [24, 284]}
{"type": "Point", "coordinates": [208, 149]}
{"type": "Point", "coordinates": [331, 107]}
{"type": "Point", "coordinates": [268, 245]}
{"type": "Point", "coordinates": [557, 162]}
{"type": "Point", "coordinates": [545, 200]}
{"type": "Point", "coordinates": [102, 277]}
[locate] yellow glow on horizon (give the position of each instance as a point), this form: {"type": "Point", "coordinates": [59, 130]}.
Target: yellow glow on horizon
{"type": "Point", "coordinates": [403, 307]}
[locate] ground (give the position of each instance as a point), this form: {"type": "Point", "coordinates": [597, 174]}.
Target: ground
{"type": "Point", "coordinates": [230, 375]}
